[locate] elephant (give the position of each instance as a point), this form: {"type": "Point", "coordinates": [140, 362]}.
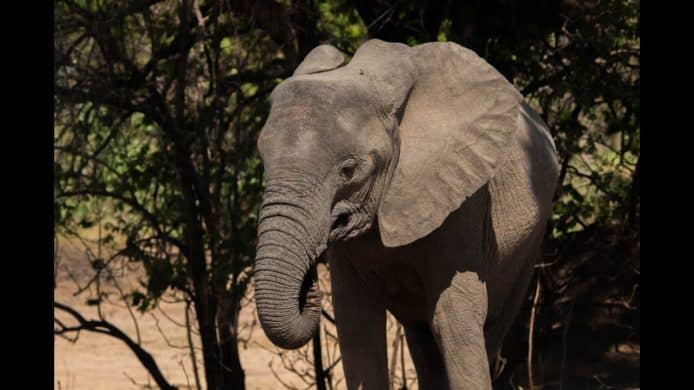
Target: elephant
{"type": "Point", "coordinates": [428, 182]}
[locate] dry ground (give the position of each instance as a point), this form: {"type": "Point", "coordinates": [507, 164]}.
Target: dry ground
{"type": "Point", "coordinates": [97, 361]}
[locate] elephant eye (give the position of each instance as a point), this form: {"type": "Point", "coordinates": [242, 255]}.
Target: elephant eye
{"type": "Point", "coordinates": [347, 168]}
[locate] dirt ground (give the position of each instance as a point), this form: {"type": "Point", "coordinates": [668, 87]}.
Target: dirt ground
{"type": "Point", "coordinates": [97, 361]}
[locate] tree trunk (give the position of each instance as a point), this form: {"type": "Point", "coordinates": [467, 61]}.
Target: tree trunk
{"type": "Point", "coordinates": [232, 371]}
{"type": "Point", "coordinates": [318, 360]}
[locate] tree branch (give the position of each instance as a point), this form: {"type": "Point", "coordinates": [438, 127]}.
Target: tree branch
{"type": "Point", "coordinates": [107, 328]}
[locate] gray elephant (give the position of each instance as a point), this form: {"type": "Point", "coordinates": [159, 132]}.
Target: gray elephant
{"type": "Point", "coordinates": [428, 181]}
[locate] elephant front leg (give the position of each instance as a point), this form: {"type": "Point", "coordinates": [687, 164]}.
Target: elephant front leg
{"type": "Point", "coordinates": [360, 319]}
{"type": "Point", "coordinates": [431, 371]}
{"type": "Point", "coordinates": [457, 326]}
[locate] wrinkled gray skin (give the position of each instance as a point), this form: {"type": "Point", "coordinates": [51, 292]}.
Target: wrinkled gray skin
{"type": "Point", "coordinates": [428, 181]}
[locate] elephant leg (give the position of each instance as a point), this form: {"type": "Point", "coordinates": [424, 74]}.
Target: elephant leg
{"type": "Point", "coordinates": [458, 328]}
{"type": "Point", "coordinates": [431, 372]}
{"type": "Point", "coordinates": [496, 331]}
{"type": "Point", "coordinates": [360, 319]}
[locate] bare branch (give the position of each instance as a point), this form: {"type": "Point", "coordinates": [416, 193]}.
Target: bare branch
{"type": "Point", "coordinates": [531, 331]}
{"type": "Point", "coordinates": [107, 328]}
{"type": "Point", "coordinates": [163, 335]}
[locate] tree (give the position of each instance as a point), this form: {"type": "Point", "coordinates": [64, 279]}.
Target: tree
{"type": "Point", "coordinates": [158, 105]}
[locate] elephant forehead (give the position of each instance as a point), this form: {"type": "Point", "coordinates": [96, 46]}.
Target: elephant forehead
{"type": "Point", "coordinates": [330, 90]}
{"type": "Point", "coordinates": [293, 137]}
{"type": "Point", "coordinates": [298, 115]}
{"type": "Point", "coordinates": [298, 121]}
{"type": "Point", "coordinates": [300, 133]}
{"type": "Point", "coordinates": [325, 118]}
{"type": "Point", "coordinates": [306, 112]}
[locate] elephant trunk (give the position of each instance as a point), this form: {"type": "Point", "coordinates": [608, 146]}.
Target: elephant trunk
{"type": "Point", "coordinates": [286, 283]}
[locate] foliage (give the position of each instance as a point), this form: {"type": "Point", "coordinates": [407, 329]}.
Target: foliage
{"type": "Point", "coordinates": [157, 111]}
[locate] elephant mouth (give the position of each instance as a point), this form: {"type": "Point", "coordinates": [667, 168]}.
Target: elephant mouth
{"type": "Point", "coordinates": [339, 226]}
{"type": "Point", "coordinates": [347, 222]}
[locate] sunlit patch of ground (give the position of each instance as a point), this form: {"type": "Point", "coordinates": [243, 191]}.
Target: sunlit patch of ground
{"type": "Point", "coordinates": [97, 361]}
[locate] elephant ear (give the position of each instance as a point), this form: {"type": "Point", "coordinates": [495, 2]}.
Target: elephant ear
{"type": "Point", "coordinates": [455, 125]}
{"type": "Point", "coordinates": [322, 58]}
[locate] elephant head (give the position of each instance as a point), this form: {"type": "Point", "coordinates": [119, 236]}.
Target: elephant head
{"type": "Point", "coordinates": [399, 135]}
